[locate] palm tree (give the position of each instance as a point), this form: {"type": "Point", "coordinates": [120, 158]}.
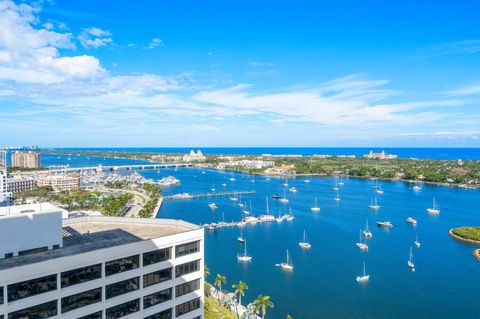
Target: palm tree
{"type": "Point", "coordinates": [262, 303]}
{"type": "Point", "coordinates": [206, 271]}
{"type": "Point", "coordinates": [219, 280]}
{"type": "Point", "coordinates": [240, 290]}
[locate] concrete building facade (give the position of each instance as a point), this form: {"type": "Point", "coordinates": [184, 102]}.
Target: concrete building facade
{"type": "Point", "coordinates": [5, 194]}
{"type": "Point", "coordinates": [61, 182]}
{"type": "Point", "coordinates": [26, 159]}
{"type": "Point", "coordinates": [107, 267]}
{"type": "Point", "coordinates": [19, 184]}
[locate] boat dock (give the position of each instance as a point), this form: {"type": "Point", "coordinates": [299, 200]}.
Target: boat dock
{"type": "Point", "coordinates": [213, 194]}
{"type": "Point", "coordinates": [248, 222]}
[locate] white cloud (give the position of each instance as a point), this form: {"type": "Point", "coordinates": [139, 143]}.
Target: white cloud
{"type": "Point", "coordinates": [465, 47]}
{"type": "Point", "coordinates": [468, 90]}
{"type": "Point", "coordinates": [94, 38]}
{"type": "Point", "coordinates": [31, 55]}
{"type": "Point", "coordinates": [259, 63]}
{"type": "Point", "coordinates": [156, 42]}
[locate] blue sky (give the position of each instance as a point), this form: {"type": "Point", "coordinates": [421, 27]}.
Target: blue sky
{"type": "Point", "coordinates": [240, 73]}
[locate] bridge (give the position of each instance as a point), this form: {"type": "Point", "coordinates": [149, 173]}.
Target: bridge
{"type": "Point", "coordinates": [101, 168]}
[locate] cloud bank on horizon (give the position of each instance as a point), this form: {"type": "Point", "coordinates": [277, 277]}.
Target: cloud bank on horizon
{"type": "Point", "coordinates": [68, 80]}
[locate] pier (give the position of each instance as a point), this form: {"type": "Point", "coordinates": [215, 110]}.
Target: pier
{"type": "Point", "coordinates": [222, 194]}
{"type": "Point", "coordinates": [101, 168]}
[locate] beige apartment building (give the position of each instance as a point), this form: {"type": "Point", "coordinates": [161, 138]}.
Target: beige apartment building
{"type": "Point", "coordinates": [26, 159]}
{"type": "Point", "coordinates": [61, 182]}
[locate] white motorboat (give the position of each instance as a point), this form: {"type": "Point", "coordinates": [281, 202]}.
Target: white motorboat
{"type": "Point", "coordinates": [417, 188]}
{"type": "Point", "coordinates": [385, 224]}
{"type": "Point", "coordinates": [435, 210]}
{"type": "Point", "coordinates": [305, 244]}
{"type": "Point", "coordinates": [292, 189]}
{"type": "Point", "coordinates": [411, 221]}
{"type": "Point", "coordinates": [212, 206]}
{"type": "Point", "coordinates": [315, 208]}
{"type": "Point", "coordinates": [232, 179]}
{"type": "Point", "coordinates": [364, 277]}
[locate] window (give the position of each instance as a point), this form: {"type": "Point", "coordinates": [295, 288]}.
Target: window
{"type": "Point", "coordinates": [156, 256]}
{"type": "Point", "coordinates": [187, 249]}
{"type": "Point", "coordinates": [188, 306]}
{"type": "Point", "coordinates": [81, 300]}
{"type": "Point", "coordinates": [31, 287]}
{"type": "Point", "coordinates": [1, 295]}
{"type": "Point", "coordinates": [81, 275]}
{"type": "Point", "coordinates": [187, 287]}
{"type": "Point", "coordinates": [8, 255]}
{"type": "Point", "coordinates": [45, 310]}
{"type": "Point", "coordinates": [121, 287]}
{"type": "Point", "coordinates": [166, 314]}
{"type": "Point", "coordinates": [156, 298]}
{"type": "Point", "coordinates": [123, 309]}
{"type": "Point", "coordinates": [55, 247]}
{"type": "Point", "coordinates": [121, 265]}
{"type": "Point", "coordinates": [96, 315]}
{"type": "Point", "coordinates": [187, 268]}
{"type": "Point", "coordinates": [156, 277]}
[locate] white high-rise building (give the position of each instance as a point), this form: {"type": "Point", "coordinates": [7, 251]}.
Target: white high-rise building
{"type": "Point", "coordinates": [5, 194]}
{"type": "Point", "coordinates": [98, 267]}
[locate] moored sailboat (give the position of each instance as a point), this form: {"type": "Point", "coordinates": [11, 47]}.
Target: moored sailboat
{"type": "Point", "coordinates": [434, 210]}
{"type": "Point", "coordinates": [315, 208]}
{"type": "Point", "coordinates": [364, 277]}
{"type": "Point", "coordinates": [244, 257]}
{"type": "Point", "coordinates": [287, 265]}
{"type": "Point", "coordinates": [305, 244]}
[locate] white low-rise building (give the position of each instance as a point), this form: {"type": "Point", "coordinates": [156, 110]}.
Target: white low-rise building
{"type": "Point", "coordinates": [248, 164]}
{"type": "Point", "coordinates": [194, 157]}
{"type": "Point", "coordinates": [98, 267]}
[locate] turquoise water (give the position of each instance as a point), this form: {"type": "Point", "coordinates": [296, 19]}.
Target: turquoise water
{"type": "Point", "coordinates": [322, 285]}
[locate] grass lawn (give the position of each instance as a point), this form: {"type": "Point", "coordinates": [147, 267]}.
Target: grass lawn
{"type": "Point", "coordinates": [214, 310]}
{"type": "Point", "coordinates": [472, 233]}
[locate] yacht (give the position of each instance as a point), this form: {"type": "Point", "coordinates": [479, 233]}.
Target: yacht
{"type": "Point", "coordinates": [364, 277]}
{"type": "Point", "coordinates": [212, 206]}
{"type": "Point", "coordinates": [315, 208]}
{"type": "Point", "coordinates": [267, 217]}
{"type": "Point", "coordinates": [410, 261]}
{"type": "Point", "coordinates": [374, 204]}
{"type": "Point", "coordinates": [411, 221]}
{"type": "Point", "coordinates": [435, 210]}
{"type": "Point", "coordinates": [244, 257]}
{"type": "Point", "coordinates": [292, 190]}
{"type": "Point", "coordinates": [232, 179]}
{"type": "Point", "coordinates": [363, 246]}
{"type": "Point", "coordinates": [284, 199]}
{"type": "Point", "coordinates": [224, 185]}
{"type": "Point", "coordinates": [366, 232]}
{"type": "Point", "coordinates": [288, 264]}
{"type": "Point", "coordinates": [305, 244]}
{"type": "Point", "coordinates": [417, 188]}
{"type": "Point", "coordinates": [240, 238]}
{"type": "Point", "coordinates": [416, 242]}
{"type": "Point", "coordinates": [385, 224]}
{"type": "Point", "coordinates": [251, 220]}
{"type": "Point", "coordinates": [337, 198]}
{"type": "Point", "coordinates": [289, 217]}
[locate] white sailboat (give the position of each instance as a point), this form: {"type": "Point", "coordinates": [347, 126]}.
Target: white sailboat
{"type": "Point", "coordinates": [307, 180]}
{"type": "Point", "coordinates": [374, 204]}
{"type": "Point", "coordinates": [284, 199]}
{"type": "Point", "coordinates": [240, 204]}
{"type": "Point", "coordinates": [335, 187]}
{"type": "Point", "coordinates": [410, 261]}
{"type": "Point", "coordinates": [416, 242]}
{"type": "Point", "coordinates": [287, 265]}
{"type": "Point", "coordinates": [240, 238]}
{"type": "Point", "coordinates": [305, 244]}
{"type": "Point", "coordinates": [245, 210]}
{"type": "Point", "coordinates": [385, 224]}
{"type": "Point", "coordinates": [315, 208]}
{"type": "Point", "coordinates": [292, 189]}
{"type": "Point", "coordinates": [341, 183]}
{"type": "Point", "coordinates": [337, 198]}
{"type": "Point", "coordinates": [285, 184]}
{"type": "Point", "coordinates": [244, 257]}
{"type": "Point", "coordinates": [366, 232]}
{"type": "Point", "coordinates": [234, 198]}
{"type": "Point", "coordinates": [267, 217]}
{"type": "Point", "coordinates": [363, 246]}
{"type": "Point", "coordinates": [435, 210]}
{"type": "Point", "coordinates": [289, 217]}
{"type": "Point", "coordinates": [378, 190]}
{"type": "Point", "coordinates": [364, 277]}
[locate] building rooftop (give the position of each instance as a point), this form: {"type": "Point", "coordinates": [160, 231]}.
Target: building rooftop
{"type": "Point", "coordinates": [85, 234]}
{"type": "Point", "coordinates": [29, 208]}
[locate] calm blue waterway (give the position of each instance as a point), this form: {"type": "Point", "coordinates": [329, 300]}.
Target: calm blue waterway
{"type": "Point", "coordinates": [434, 153]}
{"type": "Point", "coordinates": [322, 285]}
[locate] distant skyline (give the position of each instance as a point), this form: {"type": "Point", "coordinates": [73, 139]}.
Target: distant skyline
{"type": "Point", "coordinates": [240, 73]}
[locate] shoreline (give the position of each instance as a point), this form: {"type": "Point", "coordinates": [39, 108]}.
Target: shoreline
{"type": "Point", "coordinates": [465, 240]}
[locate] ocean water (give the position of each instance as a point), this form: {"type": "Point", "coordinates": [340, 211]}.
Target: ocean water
{"type": "Point", "coordinates": [322, 285]}
{"type": "Point", "coordinates": [433, 153]}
